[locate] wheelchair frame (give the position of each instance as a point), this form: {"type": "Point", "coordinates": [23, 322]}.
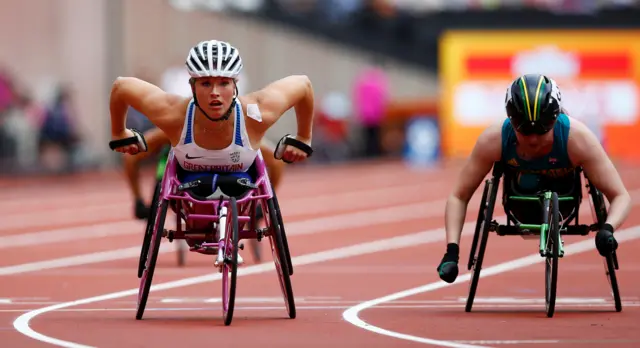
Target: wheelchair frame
{"type": "Point", "coordinates": [231, 216]}
{"type": "Point", "coordinates": [549, 231]}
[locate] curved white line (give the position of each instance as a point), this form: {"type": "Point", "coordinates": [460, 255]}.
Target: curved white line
{"type": "Point", "coordinates": [351, 314]}
{"type": "Point", "coordinates": [21, 324]}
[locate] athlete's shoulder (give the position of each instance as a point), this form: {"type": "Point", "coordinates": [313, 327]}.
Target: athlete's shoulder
{"type": "Point", "coordinates": [576, 127]}
{"type": "Point", "coordinates": [581, 141]}
{"type": "Point", "coordinates": [489, 142]}
{"type": "Point", "coordinates": [493, 132]}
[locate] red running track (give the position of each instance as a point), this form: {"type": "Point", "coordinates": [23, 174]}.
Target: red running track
{"type": "Point", "coordinates": [357, 233]}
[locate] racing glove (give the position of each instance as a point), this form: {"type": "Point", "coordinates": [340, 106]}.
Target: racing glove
{"type": "Point", "coordinates": [605, 241]}
{"type": "Point", "coordinates": [448, 268]}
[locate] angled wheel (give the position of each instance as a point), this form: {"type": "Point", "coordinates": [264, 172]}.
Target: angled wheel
{"type": "Point", "coordinates": [552, 252]}
{"type": "Point", "coordinates": [230, 266]}
{"type": "Point", "coordinates": [486, 216]}
{"type": "Point", "coordinates": [151, 256]}
{"type": "Point", "coordinates": [279, 258]}
{"type": "Point", "coordinates": [283, 233]}
{"type": "Point", "coordinates": [476, 234]}
{"type": "Point", "coordinates": [148, 232]}
{"type": "Point", "coordinates": [599, 210]}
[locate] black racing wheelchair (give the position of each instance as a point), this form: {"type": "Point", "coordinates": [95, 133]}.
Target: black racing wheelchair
{"type": "Point", "coordinates": [552, 218]}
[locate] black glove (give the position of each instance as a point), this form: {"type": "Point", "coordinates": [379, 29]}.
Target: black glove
{"type": "Point", "coordinates": [448, 268]}
{"type": "Point", "coordinates": [605, 241]}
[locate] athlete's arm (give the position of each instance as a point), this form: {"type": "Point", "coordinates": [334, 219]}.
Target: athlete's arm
{"type": "Point", "coordinates": [276, 98]}
{"type": "Point", "coordinates": [487, 150]}
{"type": "Point", "coordinates": [143, 96]}
{"type": "Point", "coordinates": [586, 151]}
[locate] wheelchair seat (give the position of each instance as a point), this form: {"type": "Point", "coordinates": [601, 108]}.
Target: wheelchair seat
{"type": "Point", "coordinates": [528, 212]}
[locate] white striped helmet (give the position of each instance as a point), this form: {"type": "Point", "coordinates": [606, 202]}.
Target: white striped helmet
{"type": "Point", "coordinates": [214, 58]}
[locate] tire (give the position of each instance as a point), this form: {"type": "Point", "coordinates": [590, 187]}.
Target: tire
{"type": "Point", "coordinates": [476, 234]}
{"type": "Point", "coordinates": [492, 189]}
{"type": "Point", "coordinates": [152, 257]}
{"type": "Point", "coordinates": [279, 254]}
{"type": "Point", "coordinates": [283, 233]}
{"type": "Point", "coordinates": [552, 249]}
{"type": "Point", "coordinates": [230, 267]}
{"type": "Point", "coordinates": [599, 209]}
{"type": "Point", "coordinates": [148, 233]}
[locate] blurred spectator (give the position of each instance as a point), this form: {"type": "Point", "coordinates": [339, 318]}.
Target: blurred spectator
{"type": "Point", "coordinates": [369, 103]}
{"type": "Point", "coordinates": [331, 129]}
{"type": "Point", "coordinates": [22, 122]}
{"type": "Point", "coordinates": [7, 96]}
{"type": "Point", "coordinates": [58, 129]}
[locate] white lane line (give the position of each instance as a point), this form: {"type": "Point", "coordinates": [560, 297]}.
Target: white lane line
{"type": "Point", "coordinates": [323, 224]}
{"type": "Point", "coordinates": [74, 233]}
{"type": "Point", "coordinates": [21, 324]}
{"type": "Point", "coordinates": [132, 305]}
{"type": "Point", "coordinates": [328, 223]}
{"type": "Point", "coordinates": [305, 227]}
{"type": "Point", "coordinates": [295, 228]}
{"type": "Point", "coordinates": [84, 259]}
{"type": "Point", "coordinates": [351, 315]}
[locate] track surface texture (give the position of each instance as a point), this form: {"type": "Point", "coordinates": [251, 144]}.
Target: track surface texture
{"type": "Point", "coordinates": [358, 233]}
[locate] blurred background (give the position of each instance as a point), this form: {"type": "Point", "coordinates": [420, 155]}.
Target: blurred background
{"type": "Point", "coordinates": [415, 80]}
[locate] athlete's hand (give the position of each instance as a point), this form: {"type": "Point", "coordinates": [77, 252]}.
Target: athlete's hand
{"type": "Point", "coordinates": [293, 154]}
{"type": "Point", "coordinates": [130, 149]}
{"type": "Point", "coordinates": [448, 267]}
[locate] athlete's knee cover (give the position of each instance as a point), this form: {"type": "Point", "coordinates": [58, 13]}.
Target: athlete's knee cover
{"type": "Point", "coordinates": [211, 182]}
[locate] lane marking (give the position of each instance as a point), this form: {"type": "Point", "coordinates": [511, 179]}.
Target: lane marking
{"type": "Point", "coordinates": [21, 324]}
{"type": "Point", "coordinates": [396, 213]}
{"type": "Point", "coordinates": [295, 228]}
{"type": "Point", "coordinates": [351, 314]}
{"type": "Point", "coordinates": [564, 341]}
{"type": "Point", "coordinates": [82, 259]}
{"type": "Point", "coordinates": [334, 222]}
{"type": "Point", "coordinates": [343, 307]}
{"type": "Point", "coordinates": [74, 233]}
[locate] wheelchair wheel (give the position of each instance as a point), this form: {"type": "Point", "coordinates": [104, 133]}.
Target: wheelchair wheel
{"type": "Point", "coordinates": [151, 257]}
{"type": "Point", "coordinates": [230, 266]}
{"type": "Point", "coordinates": [552, 253]}
{"type": "Point", "coordinates": [491, 187]}
{"type": "Point", "coordinates": [283, 233]}
{"type": "Point", "coordinates": [279, 254]}
{"type": "Point", "coordinates": [481, 212]}
{"type": "Point", "coordinates": [599, 209]}
{"type": "Point", "coordinates": [148, 233]}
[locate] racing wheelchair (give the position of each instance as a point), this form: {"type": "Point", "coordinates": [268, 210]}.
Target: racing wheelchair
{"type": "Point", "coordinates": [180, 249]}
{"type": "Point", "coordinates": [554, 214]}
{"type": "Point", "coordinates": [230, 210]}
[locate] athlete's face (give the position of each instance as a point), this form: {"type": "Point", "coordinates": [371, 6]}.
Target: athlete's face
{"type": "Point", "coordinates": [215, 94]}
{"type": "Point", "coordinates": [535, 143]}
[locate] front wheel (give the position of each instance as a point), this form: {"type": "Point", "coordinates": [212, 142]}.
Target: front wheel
{"type": "Point", "coordinates": [230, 266]}
{"type": "Point", "coordinates": [552, 253]}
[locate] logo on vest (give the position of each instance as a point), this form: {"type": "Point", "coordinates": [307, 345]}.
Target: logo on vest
{"type": "Point", "coordinates": [235, 156]}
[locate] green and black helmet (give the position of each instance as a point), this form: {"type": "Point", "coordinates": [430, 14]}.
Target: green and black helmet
{"type": "Point", "coordinates": [533, 104]}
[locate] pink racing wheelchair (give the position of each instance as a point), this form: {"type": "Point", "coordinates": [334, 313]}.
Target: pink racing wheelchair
{"type": "Point", "coordinates": [228, 216]}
